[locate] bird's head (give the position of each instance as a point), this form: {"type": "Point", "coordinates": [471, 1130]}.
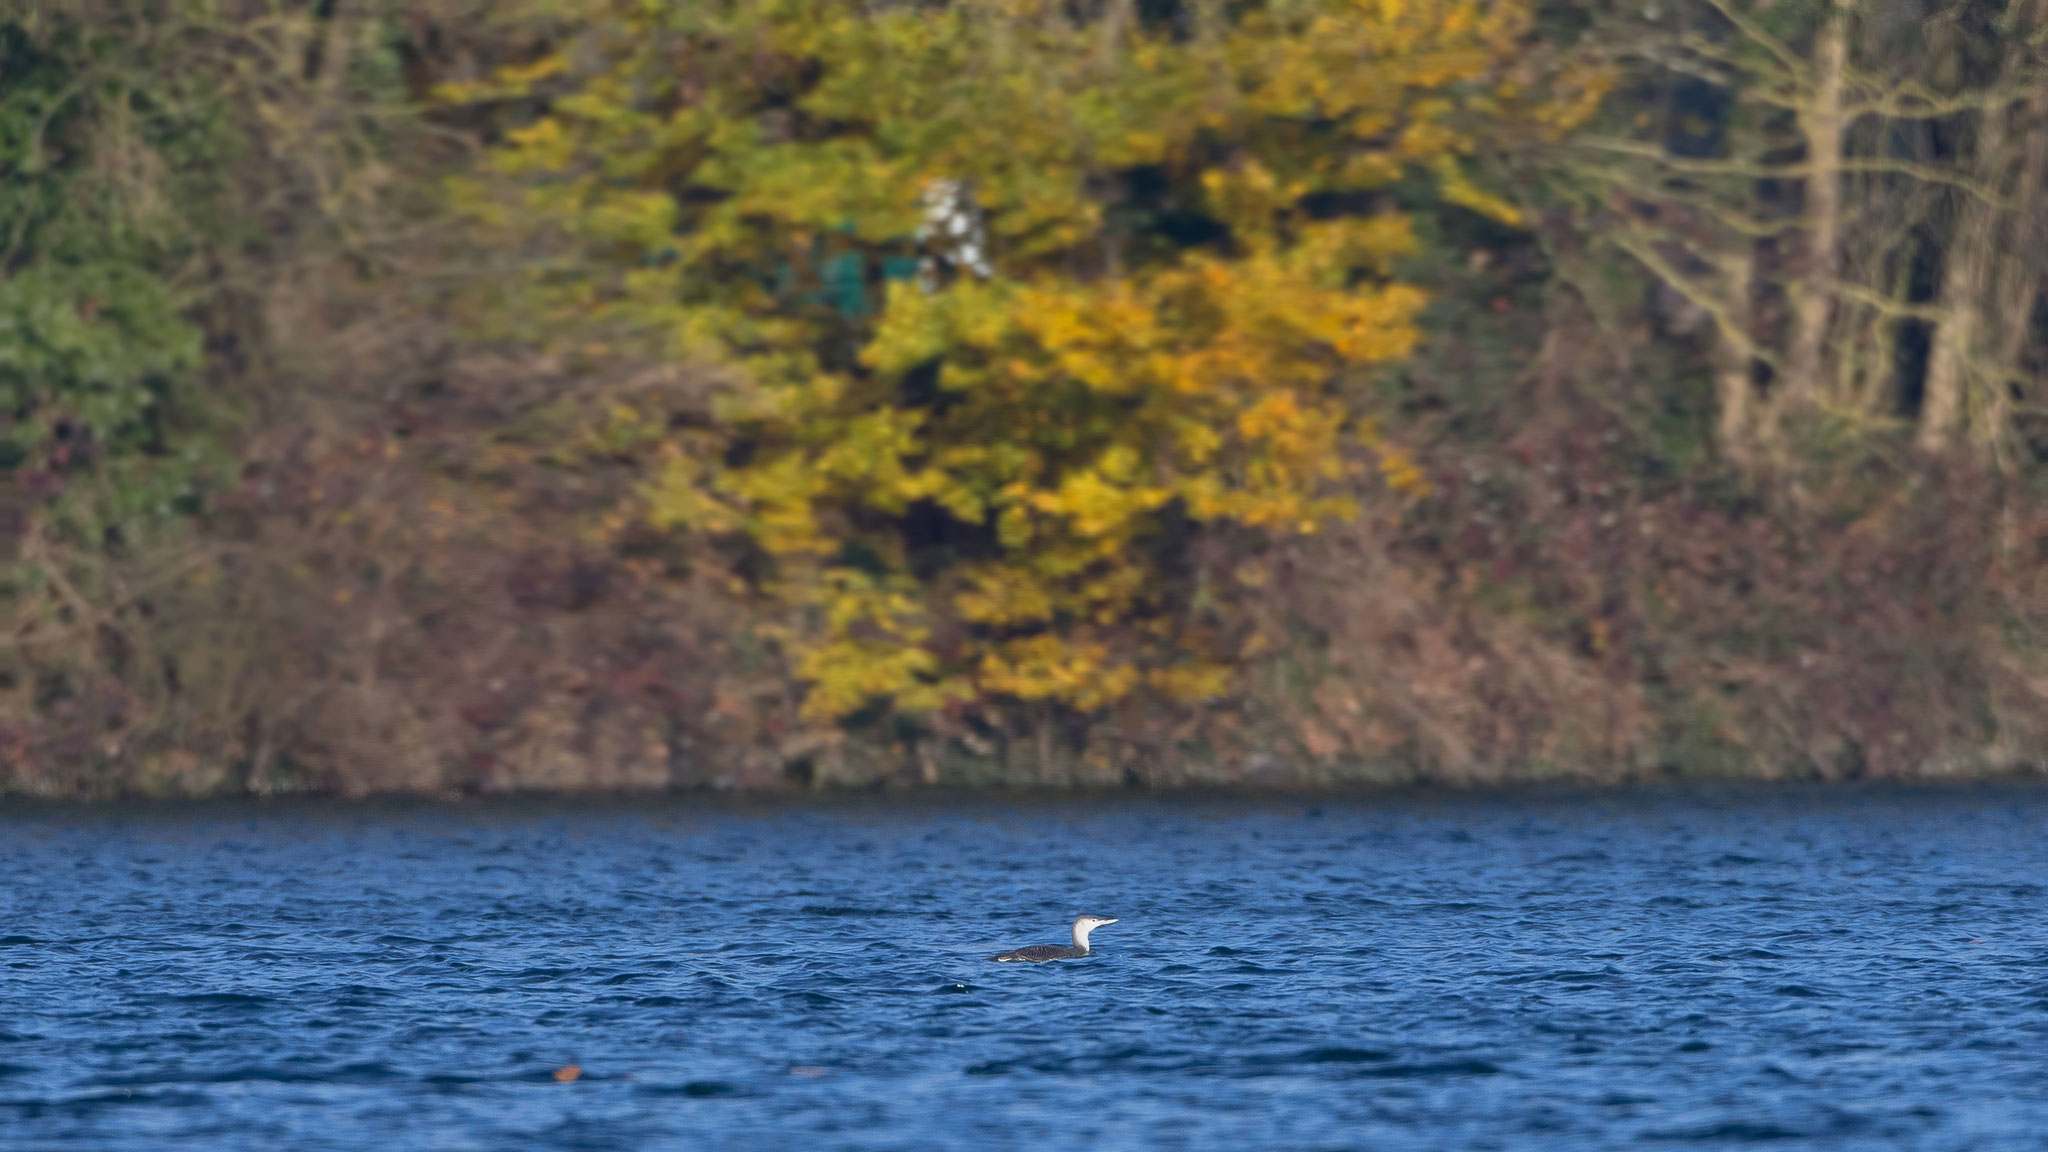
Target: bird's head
{"type": "Point", "coordinates": [1085, 924]}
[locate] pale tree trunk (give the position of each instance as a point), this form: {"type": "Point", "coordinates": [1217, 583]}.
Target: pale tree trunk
{"type": "Point", "coordinates": [1742, 429]}
{"type": "Point", "coordinates": [1734, 387]}
{"type": "Point", "coordinates": [2021, 274]}
{"type": "Point", "coordinates": [1821, 122]}
{"type": "Point", "coordinates": [1994, 273]}
{"type": "Point", "coordinates": [1964, 291]}
{"type": "Point", "coordinates": [1118, 18]}
{"type": "Point", "coordinates": [2020, 285]}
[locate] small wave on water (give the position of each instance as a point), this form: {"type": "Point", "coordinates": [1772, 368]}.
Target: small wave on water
{"type": "Point", "coordinates": [1801, 969]}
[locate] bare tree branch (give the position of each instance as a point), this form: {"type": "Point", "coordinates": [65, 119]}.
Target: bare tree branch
{"type": "Point", "coordinates": [1796, 169]}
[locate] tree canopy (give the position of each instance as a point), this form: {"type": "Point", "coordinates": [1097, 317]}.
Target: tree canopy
{"type": "Point", "coordinates": [1020, 297]}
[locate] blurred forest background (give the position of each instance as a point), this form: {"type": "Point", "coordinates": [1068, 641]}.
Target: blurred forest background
{"type": "Point", "coordinates": [447, 394]}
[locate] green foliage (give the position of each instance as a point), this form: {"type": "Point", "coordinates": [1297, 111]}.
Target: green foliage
{"type": "Point", "coordinates": [101, 147]}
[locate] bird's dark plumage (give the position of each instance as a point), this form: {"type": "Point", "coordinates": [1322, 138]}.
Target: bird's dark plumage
{"type": "Point", "coordinates": [1082, 927]}
{"type": "Point", "coordinates": [1040, 952]}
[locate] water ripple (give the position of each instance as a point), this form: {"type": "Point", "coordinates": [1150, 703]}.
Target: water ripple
{"type": "Point", "coordinates": [1790, 968]}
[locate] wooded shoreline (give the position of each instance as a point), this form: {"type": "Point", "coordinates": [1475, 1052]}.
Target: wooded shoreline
{"type": "Point", "coordinates": [442, 397]}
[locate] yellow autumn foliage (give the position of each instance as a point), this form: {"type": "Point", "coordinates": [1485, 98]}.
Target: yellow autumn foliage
{"type": "Point", "coordinates": [1019, 296]}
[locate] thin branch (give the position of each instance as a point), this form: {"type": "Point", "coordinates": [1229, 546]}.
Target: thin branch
{"type": "Point", "coordinates": [1733, 219]}
{"type": "Point", "coordinates": [1911, 100]}
{"type": "Point", "coordinates": [1793, 64]}
{"type": "Point", "coordinates": [1796, 170]}
{"type": "Point", "coordinates": [1885, 305]}
{"type": "Point", "coordinates": [1875, 95]}
{"type": "Point", "coordinates": [1694, 292]}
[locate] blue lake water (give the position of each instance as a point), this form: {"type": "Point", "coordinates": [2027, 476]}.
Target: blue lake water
{"type": "Point", "coordinates": [1798, 968]}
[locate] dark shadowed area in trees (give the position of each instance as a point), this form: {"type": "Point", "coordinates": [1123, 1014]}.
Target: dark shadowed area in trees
{"type": "Point", "coordinates": [428, 395]}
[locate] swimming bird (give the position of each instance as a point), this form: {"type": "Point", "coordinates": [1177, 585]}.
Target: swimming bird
{"type": "Point", "coordinates": [1082, 927]}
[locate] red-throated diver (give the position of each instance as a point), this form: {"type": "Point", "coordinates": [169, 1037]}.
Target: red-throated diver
{"type": "Point", "coordinates": [1082, 927]}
